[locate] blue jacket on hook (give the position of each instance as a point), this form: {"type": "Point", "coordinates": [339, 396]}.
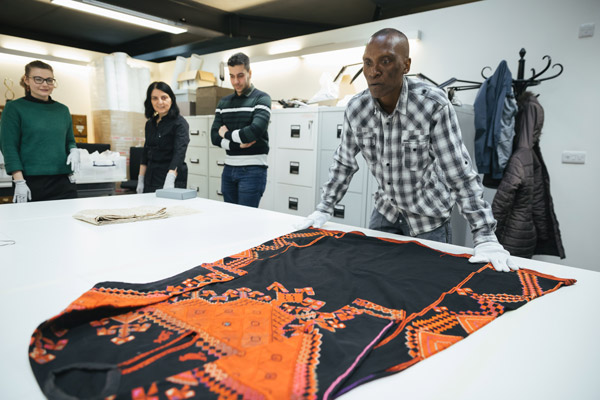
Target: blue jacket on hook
{"type": "Point", "coordinates": [490, 134]}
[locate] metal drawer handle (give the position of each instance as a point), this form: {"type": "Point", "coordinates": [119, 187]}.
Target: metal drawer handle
{"type": "Point", "coordinates": [219, 193]}
{"type": "Point", "coordinates": [220, 163]}
{"type": "Point", "coordinates": [293, 203]}
{"type": "Point", "coordinates": [195, 161]}
{"type": "Point", "coordinates": [339, 211]}
{"type": "Point", "coordinates": [195, 133]}
{"type": "Point", "coordinates": [294, 167]}
{"type": "Point", "coordinates": [295, 131]}
{"type": "Point", "coordinates": [339, 131]}
{"type": "Point", "coordinates": [112, 164]}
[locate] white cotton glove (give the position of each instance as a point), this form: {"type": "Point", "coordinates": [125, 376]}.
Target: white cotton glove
{"type": "Point", "coordinates": [492, 252]}
{"type": "Point", "coordinates": [170, 181]}
{"type": "Point", "coordinates": [22, 192]}
{"type": "Point", "coordinates": [74, 159]}
{"type": "Point", "coordinates": [140, 186]}
{"type": "Point", "coordinates": [317, 219]}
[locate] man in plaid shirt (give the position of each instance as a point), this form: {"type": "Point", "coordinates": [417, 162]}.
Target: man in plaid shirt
{"type": "Point", "coordinates": [408, 133]}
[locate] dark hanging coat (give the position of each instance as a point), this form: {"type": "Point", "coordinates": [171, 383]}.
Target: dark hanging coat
{"type": "Point", "coordinates": [523, 206]}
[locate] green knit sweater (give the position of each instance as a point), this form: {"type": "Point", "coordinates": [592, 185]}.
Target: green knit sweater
{"type": "Point", "coordinates": [36, 136]}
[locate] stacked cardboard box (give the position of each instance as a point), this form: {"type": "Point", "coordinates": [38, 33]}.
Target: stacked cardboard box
{"type": "Point", "coordinates": [208, 97]}
{"type": "Point", "coordinates": [121, 129]}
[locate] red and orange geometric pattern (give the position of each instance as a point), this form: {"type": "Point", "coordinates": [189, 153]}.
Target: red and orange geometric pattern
{"type": "Point", "coordinates": [307, 315]}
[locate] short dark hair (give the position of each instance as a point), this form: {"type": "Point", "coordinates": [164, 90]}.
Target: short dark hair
{"type": "Point", "coordinates": [149, 110]}
{"type": "Point", "coordinates": [239, 59]}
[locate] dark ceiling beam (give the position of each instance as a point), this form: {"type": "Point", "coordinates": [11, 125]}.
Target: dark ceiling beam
{"type": "Point", "coordinates": [157, 41]}
{"type": "Point", "coordinates": [238, 31]}
{"type": "Point", "coordinates": [55, 39]}
{"type": "Point", "coordinates": [199, 48]}
{"type": "Point", "coordinates": [273, 28]}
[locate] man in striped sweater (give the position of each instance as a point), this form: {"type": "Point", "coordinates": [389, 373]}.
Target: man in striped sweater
{"type": "Point", "coordinates": [240, 127]}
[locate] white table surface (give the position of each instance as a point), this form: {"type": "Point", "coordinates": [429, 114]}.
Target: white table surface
{"type": "Point", "coordinates": [547, 349]}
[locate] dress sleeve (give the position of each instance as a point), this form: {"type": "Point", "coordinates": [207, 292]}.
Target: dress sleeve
{"type": "Point", "coordinates": [10, 139]}
{"type": "Point", "coordinates": [182, 138]}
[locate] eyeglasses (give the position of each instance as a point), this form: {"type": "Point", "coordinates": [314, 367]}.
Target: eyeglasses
{"type": "Point", "coordinates": [39, 80]}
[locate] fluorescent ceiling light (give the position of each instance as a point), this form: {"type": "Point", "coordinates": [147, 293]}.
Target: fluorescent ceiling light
{"type": "Point", "coordinates": [25, 47]}
{"type": "Point", "coordinates": [120, 14]}
{"type": "Point", "coordinates": [286, 47]}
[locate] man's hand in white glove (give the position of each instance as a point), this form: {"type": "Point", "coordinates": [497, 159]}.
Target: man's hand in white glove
{"type": "Point", "coordinates": [492, 252]}
{"type": "Point", "coordinates": [140, 186]}
{"type": "Point", "coordinates": [170, 181]}
{"type": "Point", "coordinates": [74, 159]}
{"type": "Point", "coordinates": [317, 219]}
{"type": "Point", "coordinates": [22, 192]}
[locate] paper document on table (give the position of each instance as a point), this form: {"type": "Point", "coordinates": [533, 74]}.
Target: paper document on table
{"type": "Point", "coordinates": [133, 214]}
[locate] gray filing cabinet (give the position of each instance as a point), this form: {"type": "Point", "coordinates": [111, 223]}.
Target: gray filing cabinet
{"type": "Point", "coordinates": [196, 156]}
{"type": "Point", "coordinates": [295, 159]}
{"type": "Point", "coordinates": [351, 210]}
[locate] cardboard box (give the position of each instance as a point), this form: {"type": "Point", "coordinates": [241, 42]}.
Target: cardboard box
{"type": "Point", "coordinates": [187, 108]}
{"type": "Point", "coordinates": [207, 99]}
{"type": "Point", "coordinates": [185, 95]}
{"type": "Point", "coordinates": [196, 78]}
{"type": "Point", "coordinates": [111, 123]}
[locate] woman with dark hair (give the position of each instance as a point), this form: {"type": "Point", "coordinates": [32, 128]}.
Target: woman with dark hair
{"type": "Point", "coordinates": [37, 140]}
{"type": "Point", "coordinates": [167, 138]}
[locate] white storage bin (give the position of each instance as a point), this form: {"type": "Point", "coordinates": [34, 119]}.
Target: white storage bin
{"type": "Point", "coordinates": [105, 167]}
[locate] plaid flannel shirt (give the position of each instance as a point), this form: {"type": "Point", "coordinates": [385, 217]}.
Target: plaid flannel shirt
{"type": "Point", "coordinates": [418, 158]}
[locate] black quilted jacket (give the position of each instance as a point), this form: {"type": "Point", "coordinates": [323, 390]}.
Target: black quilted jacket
{"type": "Point", "coordinates": [523, 206]}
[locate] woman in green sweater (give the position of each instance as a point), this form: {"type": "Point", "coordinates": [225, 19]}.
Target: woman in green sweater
{"type": "Point", "coordinates": [36, 139]}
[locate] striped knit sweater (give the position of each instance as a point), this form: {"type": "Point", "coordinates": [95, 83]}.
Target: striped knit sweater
{"type": "Point", "coordinates": [247, 120]}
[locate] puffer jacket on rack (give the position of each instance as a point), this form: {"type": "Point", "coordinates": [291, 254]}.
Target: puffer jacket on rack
{"type": "Point", "coordinates": [523, 206]}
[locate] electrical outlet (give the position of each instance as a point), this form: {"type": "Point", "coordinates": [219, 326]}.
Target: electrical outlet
{"type": "Point", "coordinates": [586, 30]}
{"type": "Point", "coordinates": [573, 157]}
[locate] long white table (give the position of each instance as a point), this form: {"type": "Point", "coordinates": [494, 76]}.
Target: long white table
{"type": "Point", "coordinates": [548, 349]}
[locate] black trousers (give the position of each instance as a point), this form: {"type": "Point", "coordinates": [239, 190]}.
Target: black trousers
{"type": "Point", "coordinates": [156, 174]}
{"type": "Point", "coordinates": [50, 187]}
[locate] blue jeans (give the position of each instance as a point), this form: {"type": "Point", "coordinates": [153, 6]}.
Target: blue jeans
{"type": "Point", "coordinates": [441, 234]}
{"type": "Point", "coordinates": [243, 185]}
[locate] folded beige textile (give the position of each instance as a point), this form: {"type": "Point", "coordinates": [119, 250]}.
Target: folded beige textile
{"type": "Point", "coordinates": [122, 215]}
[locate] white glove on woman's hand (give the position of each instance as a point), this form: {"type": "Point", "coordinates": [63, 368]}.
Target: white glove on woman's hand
{"type": "Point", "coordinates": [492, 252]}
{"type": "Point", "coordinates": [22, 192]}
{"type": "Point", "coordinates": [75, 160]}
{"type": "Point", "coordinates": [317, 219]}
{"type": "Point", "coordinates": [170, 181]}
{"type": "Point", "coordinates": [140, 186]}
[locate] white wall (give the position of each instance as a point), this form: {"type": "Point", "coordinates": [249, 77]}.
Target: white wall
{"type": "Point", "coordinates": [458, 42]}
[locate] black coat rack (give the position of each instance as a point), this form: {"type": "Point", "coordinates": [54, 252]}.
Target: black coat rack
{"type": "Point", "coordinates": [520, 84]}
